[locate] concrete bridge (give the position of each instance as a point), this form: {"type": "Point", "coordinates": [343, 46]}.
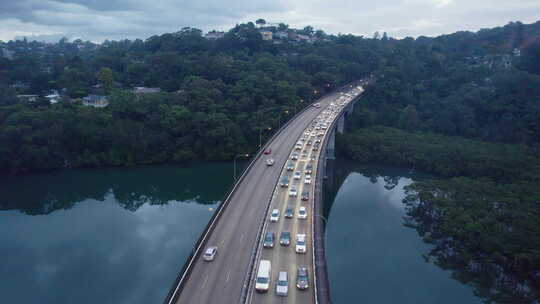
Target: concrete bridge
{"type": "Point", "coordinates": [241, 222]}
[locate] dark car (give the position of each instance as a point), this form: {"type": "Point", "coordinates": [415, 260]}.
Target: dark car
{"type": "Point", "coordinates": [268, 151]}
{"type": "Point", "coordinates": [309, 169]}
{"type": "Point", "coordinates": [305, 195]}
{"type": "Point", "coordinates": [269, 240]}
{"type": "Point", "coordinates": [302, 280]}
{"type": "Point", "coordinates": [285, 238]}
{"type": "Point", "coordinates": [289, 213]}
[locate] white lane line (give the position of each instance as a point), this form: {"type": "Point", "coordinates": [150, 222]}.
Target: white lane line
{"type": "Point", "coordinates": [228, 276]}
{"type": "Point", "coordinates": [204, 283]}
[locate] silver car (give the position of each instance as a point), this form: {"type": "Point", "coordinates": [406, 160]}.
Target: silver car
{"type": "Point", "coordinates": [282, 286]}
{"type": "Point", "coordinates": [210, 253]}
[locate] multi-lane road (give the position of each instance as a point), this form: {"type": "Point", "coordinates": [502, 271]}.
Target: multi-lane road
{"type": "Point", "coordinates": [235, 234]}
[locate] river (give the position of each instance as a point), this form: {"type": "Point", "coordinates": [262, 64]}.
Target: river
{"type": "Point", "coordinates": [120, 235]}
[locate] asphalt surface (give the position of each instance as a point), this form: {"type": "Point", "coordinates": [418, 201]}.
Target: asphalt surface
{"type": "Point", "coordinates": [235, 234]}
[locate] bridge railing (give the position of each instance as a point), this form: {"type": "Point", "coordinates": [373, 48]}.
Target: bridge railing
{"type": "Point", "coordinates": [320, 277]}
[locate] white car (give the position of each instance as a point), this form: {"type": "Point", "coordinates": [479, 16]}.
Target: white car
{"type": "Point", "coordinates": [300, 243]}
{"type": "Point", "coordinates": [210, 253]}
{"type": "Point", "coordinates": [270, 162]}
{"type": "Point", "coordinates": [293, 192]}
{"type": "Point", "coordinates": [302, 213]}
{"type": "Point", "coordinates": [307, 179]}
{"type": "Point", "coordinates": [274, 216]}
{"type": "Point", "coordinates": [294, 156]}
{"type": "Point", "coordinates": [297, 175]}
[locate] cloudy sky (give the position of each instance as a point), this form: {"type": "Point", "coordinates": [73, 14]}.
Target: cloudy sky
{"type": "Point", "coordinates": [97, 20]}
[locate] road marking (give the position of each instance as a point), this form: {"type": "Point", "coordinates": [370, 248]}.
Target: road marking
{"type": "Point", "coordinates": [228, 276]}
{"type": "Point", "coordinates": [242, 238]}
{"type": "Point", "coordinates": [204, 283]}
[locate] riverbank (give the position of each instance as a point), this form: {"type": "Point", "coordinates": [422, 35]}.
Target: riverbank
{"type": "Point", "coordinates": [481, 217]}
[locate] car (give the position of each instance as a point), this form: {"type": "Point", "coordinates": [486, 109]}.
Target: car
{"type": "Point", "coordinates": [307, 179]}
{"type": "Point", "coordinates": [309, 169]}
{"type": "Point", "coordinates": [315, 148]}
{"type": "Point", "coordinates": [285, 238]}
{"type": "Point", "coordinates": [268, 151]}
{"type": "Point", "coordinates": [297, 175]}
{"type": "Point", "coordinates": [289, 212]}
{"type": "Point", "coordinates": [317, 105]}
{"type": "Point", "coordinates": [282, 285]}
{"type": "Point", "coordinates": [309, 142]}
{"type": "Point", "coordinates": [298, 146]}
{"type": "Point", "coordinates": [293, 192]}
{"type": "Point", "coordinates": [210, 253]}
{"type": "Point", "coordinates": [290, 165]}
{"type": "Point", "coordinates": [294, 156]}
{"type": "Point", "coordinates": [304, 154]}
{"type": "Point", "coordinates": [305, 195]}
{"type": "Point", "coordinates": [317, 141]}
{"type": "Point", "coordinates": [268, 240]}
{"type": "Point", "coordinates": [302, 278]}
{"type": "Point", "coordinates": [302, 213]}
{"type": "Point", "coordinates": [284, 181]}
{"type": "Point", "coordinates": [270, 162]}
{"type": "Point", "coordinates": [274, 216]}
{"type": "Point", "coordinates": [300, 243]}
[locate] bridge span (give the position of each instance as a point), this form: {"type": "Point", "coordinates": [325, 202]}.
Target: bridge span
{"type": "Point", "coordinates": [240, 224]}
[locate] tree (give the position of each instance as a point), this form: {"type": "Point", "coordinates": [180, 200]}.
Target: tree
{"type": "Point", "coordinates": [260, 22]}
{"type": "Point", "coordinates": [105, 77]}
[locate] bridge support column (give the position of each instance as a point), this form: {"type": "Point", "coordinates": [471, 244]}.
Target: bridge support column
{"type": "Point", "coordinates": [341, 124]}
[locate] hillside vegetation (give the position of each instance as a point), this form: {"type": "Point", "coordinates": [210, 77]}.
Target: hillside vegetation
{"type": "Point", "coordinates": [457, 107]}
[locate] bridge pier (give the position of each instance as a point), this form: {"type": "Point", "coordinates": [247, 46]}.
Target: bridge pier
{"type": "Point", "coordinates": [341, 124]}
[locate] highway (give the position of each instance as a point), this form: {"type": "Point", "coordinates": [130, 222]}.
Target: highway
{"type": "Point", "coordinates": [285, 258]}
{"type": "Point", "coordinates": [235, 234]}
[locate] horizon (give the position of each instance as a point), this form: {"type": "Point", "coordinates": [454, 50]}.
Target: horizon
{"type": "Point", "coordinates": [133, 19]}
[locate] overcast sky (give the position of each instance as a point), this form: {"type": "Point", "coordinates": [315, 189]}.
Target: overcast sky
{"type": "Point", "coordinates": [97, 20]}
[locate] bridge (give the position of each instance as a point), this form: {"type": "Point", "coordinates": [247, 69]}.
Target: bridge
{"type": "Point", "coordinates": [241, 222]}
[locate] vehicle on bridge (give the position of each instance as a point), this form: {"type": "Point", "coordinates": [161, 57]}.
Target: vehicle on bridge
{"type": "Point", "coordinates": [282, 286]}
{"type": "Point", "coordinates": [262, 283]}
{"type": "Point", "coordinates": [307, 179]}
{"type": "Point", "coordinates": [290, 166]}
{"type": "Point", "coordinates": [210, 253]}
{"type": "Point", "coordinates": [293, 192]}
{"type": "Point", "coordinates": [300, 243]}
{"type": "Point", "coordinates": [289, 212]}
{"type": "Point", "coordinates": [284, 181]}
{"type": "Point", "coordinates": [268, 151]}
{"type": "Point", "coordinates": [269, 240]}
{"type": "Point", "coordinates": [270, 162]}
{"type": "Point", "coordinates": [305, 195]}
{"type": "Point", "coordinates": [302, 278]}
{"type": "Point", "coordinates": [274, 216]}
{"type": "Point", "coordinates": [285, 238]}
{"type": "Point", "coordinates": [302, 213]}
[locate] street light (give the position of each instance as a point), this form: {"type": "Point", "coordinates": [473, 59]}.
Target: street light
{"type": "Point", "coordinates": [239, 155]}
{"type": "Point", "coordinates": [260, 135]}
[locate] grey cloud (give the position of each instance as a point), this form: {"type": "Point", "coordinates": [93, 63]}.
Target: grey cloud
{"type": "Point", "coordinates": [98, 20]}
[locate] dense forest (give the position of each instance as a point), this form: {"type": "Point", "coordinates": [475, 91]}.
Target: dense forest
{"type": "Point", "coordinates": [457, 107]}
{"type": "Point", "coordinates": [217, 96]}
{"type": "Point", "coordinates": [464, 106]}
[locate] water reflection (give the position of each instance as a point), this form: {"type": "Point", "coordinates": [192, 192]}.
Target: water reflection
{"type": "Point", "coordinates": [103, 236]}
{"type": "Point", "coordinates": [372, 257]}
{"type": "Point", "coordinates": [131, 187]}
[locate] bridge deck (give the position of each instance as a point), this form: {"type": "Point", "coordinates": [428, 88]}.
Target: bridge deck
{"type": "Point", "coordinates": [235, 234]}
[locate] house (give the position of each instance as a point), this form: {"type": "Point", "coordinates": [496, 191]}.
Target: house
{"type": "Point", "coordinates": [281, 35]}
{"type": "Point", "coordinates": [214, 35]}
{"type": "Point", "coordinates": [96, 101]}
{"type": "Point", "coordinates": [145, 90]}
{"type": "Point", "coordinates": [53, 98]}
{"type": "Point", "coordinates": [266, 35]}
{"type": "Point", "coordinates": [28, 97]}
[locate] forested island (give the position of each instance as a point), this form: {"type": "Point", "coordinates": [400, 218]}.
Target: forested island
{"type": "Point", "coordinates": [464, 106]}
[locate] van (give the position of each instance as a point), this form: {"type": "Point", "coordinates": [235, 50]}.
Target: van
{"type": "Point", "coordinates": [262, 282]}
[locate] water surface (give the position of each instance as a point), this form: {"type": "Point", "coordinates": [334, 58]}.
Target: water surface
{"type": "Point", "coordinates": [372, 257]}
{"type": "Point", "coordinates": [103, 235]}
